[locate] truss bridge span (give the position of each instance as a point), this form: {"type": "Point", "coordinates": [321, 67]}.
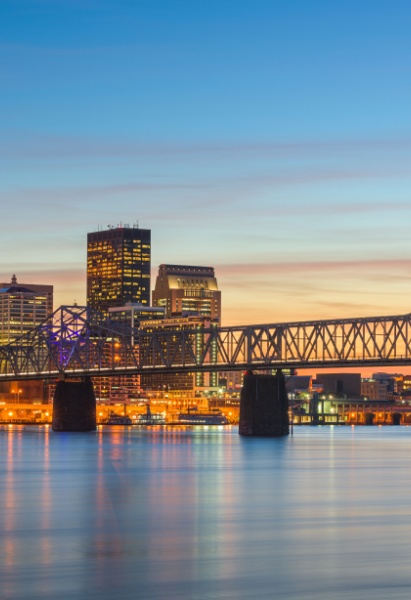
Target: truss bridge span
{"type": "Point", "coordinates": [77, 342]}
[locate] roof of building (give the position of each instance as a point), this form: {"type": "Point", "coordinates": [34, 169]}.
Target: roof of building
{"type": "Point", "coordinates": [187, 269]}
{"type": "Point", "coordinates": [193, 281]}
{"type": "Point", "coordinates": [299, 382]}
{"type": "Point", "coordinates": [16, 289]}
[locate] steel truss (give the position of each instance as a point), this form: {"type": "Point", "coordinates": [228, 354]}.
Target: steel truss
{"type": "Point", "coordinates": [77, 341]}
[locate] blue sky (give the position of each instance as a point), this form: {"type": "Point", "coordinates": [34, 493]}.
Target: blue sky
{"type": "Point", "coordinates": [271, 140]}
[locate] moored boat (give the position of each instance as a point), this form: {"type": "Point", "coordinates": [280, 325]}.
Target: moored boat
{"type": "Point", "coordinates": [115, 419]}
{"type": "Point", "coordinates": [194, 417]}
{"type": "Point", "coordinates": [149, 418]}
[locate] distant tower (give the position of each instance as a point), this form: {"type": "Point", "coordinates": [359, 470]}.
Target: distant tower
{"type": "Point", "coordinates": [182, 289]}
{"type": "Point", "coordinates": [118, 267]}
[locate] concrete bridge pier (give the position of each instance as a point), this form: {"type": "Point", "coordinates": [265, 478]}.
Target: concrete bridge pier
{"type": "Point", "coordinates": [264, 406]}
{"type": "Point", "coordinates": [74, 406]}
{"type": "Point", "coordinates": [369, 418]}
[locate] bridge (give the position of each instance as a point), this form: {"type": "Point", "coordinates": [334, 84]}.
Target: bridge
{"type": "Point", "coordinates": [77, 341]}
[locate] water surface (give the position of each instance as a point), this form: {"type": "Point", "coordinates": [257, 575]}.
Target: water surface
{"type": "Point", "coordinates": [203, 514]}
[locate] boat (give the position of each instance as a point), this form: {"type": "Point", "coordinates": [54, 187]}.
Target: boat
{"type": "Point", "coordinates": [115, 419]}
{"type": "Point", "coordinates": [194, 417]}
{"type": "Point", "coordinates": [149, 418]}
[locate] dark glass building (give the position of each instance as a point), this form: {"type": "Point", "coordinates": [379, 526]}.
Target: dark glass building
{"type": "Point", "coordinates": [118, 267]}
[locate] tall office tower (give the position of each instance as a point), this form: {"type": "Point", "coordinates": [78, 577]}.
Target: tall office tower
{"type": "Point", "coordinates": [35, 287]}
{"type": "Point", "coordinates": [118, 267]}
{"type": "Point", "coordinates": [22, 308]}
{"type": "Point", "coordinates": [180, 289]}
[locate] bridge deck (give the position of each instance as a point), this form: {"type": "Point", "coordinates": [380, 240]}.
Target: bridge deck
{"type": "Point", "coordinates": [77, 341]}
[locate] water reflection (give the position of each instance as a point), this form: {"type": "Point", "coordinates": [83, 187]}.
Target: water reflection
{"type": "Point", "coordinates": [204, 514]}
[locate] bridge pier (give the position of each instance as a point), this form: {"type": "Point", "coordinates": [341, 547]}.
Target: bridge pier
{"type": "Point", "coordinates": [369, 418]}
{"type": "Point", "coordinates": [74, 406]}
{"type": "Point", "coordinates": [264, 406]}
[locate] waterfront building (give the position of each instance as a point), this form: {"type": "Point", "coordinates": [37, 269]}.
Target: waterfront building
{"type": "Point", "coordinates": [373, 390]}
{"type": "Point", "coordinates": [231, 380]}
{"type": "Point", "coordinates": [340, 384]}
{"type": "Point", "coordinates": [183, 288]}
{"type": "Point", "coordinates": [393, 381]}
{"type": "Point", "coordinates": [406, 384]}
{"type": "Point", "coordinates": [298, 385]}
{"type": "Point", "coordinates": [118, 267]}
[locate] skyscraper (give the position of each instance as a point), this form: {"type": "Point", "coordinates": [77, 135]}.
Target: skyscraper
{"type": "Point", "coordinates": [39, 288]}
{"type": "Point", "coordinates": [191, 299]}
{"type": "Point", "coordinates": [22, 308]}
{"type": "Point", "coordinates": [118, 267]}
{"type": "Point", "coordinates": [181, 289]}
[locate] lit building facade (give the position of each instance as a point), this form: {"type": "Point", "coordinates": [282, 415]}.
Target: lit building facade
{"type": "Point", "coordinates": [182, 381]}
{"type": "Point", "coordinates": [118, 267]}
{"type": "Point", "coordinates": [183, 288]}
{"type": "Point", "coordinates": [22, 308]}
{"type": "Point", "coordinates": [125, 388]}
{"type": "Point", "coordinates": [231, 380]}
{"type": "Point", "coordinates": [372, 389]}
{"type": "Point", "coordinates": [152, 319]}
{"type": "Point", "coordinates": [132, 313]}
{"type": "Point", "coordinates": [47, 290]}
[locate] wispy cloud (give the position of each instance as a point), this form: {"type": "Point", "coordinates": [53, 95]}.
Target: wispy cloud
{"type": "Point", "coordinates": [251, 270]}
{"type": "Point", "coordinates": [69, 281]}
{"type": "Point", "coordinates": [31, 145]}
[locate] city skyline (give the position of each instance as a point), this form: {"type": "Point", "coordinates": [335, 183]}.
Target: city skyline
{"type": "Point", "coordinates": [269, 140]}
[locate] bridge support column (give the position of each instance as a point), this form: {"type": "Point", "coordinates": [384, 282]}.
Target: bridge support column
{"type": "Point", "coordinates": [369, 418]}
{"type": "Point", "coordinates": [74, 406]}
{"type": "Point", "coordinates": [396, 419]}
{"type": "Point", "coordinates": [264, 406]}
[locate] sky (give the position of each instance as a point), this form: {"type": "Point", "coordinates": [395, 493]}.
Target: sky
{"type": "Point", "coordinates": [269, 139]}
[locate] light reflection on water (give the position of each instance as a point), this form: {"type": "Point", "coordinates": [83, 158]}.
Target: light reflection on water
{"type": "Point", "coordinates": [204, 514]}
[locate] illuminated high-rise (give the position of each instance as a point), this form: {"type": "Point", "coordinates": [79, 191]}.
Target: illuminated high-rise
{"type": "Point", "coordinates": [22, 308]}
{"type": "Point", "coordinates": [181, 289]}
{"type": "Point", "coordinates": [191, 299]}
{"type": "Point", "coordinates": [118, 267]}
{"type": "Point", "coordinates": [38, 288]}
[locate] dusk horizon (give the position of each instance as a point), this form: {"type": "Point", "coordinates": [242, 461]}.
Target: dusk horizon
{"type": "Point", "coordinates": [271, 141]}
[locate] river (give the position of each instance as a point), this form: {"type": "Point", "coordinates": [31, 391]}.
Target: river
{"type": "Point", "coordinates": [203, 514]}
